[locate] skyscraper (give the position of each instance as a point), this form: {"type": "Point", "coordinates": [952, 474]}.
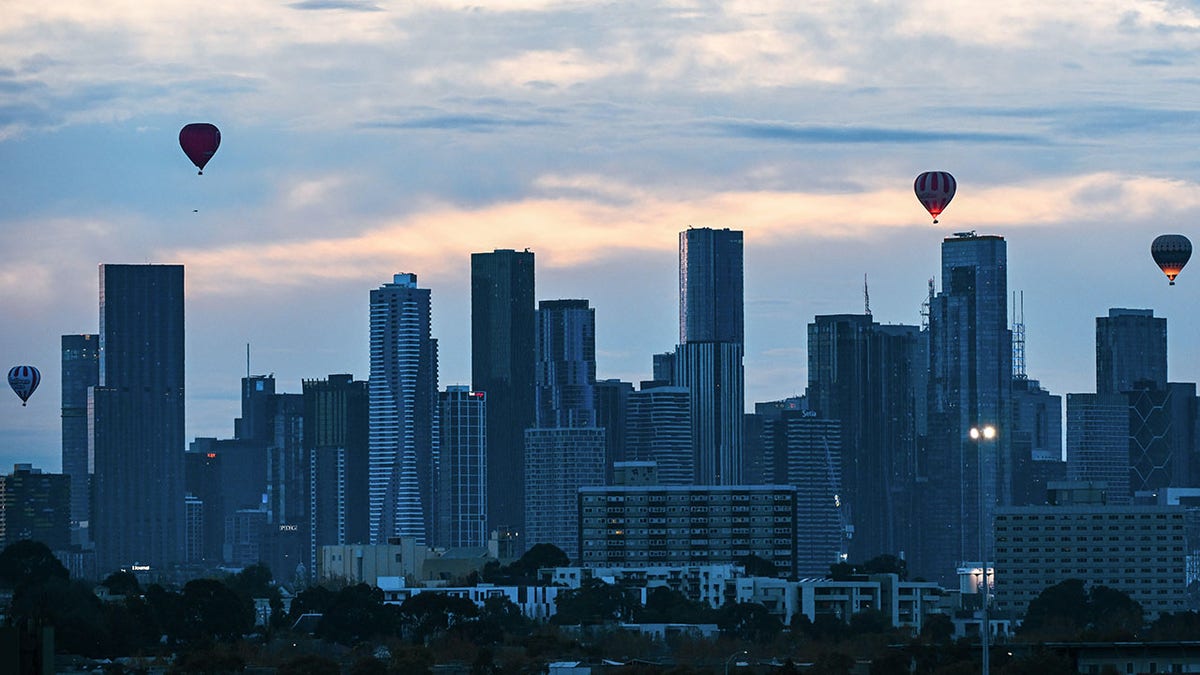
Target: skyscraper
{"type": "Point", "coordinates": [660, 431]}
{"type": "Point", "coordinates": [565, 450]}
{"type": "Point", "coordinates": [136, 417]}
{"type": "Point", "coordinates": [1098, 442]}
{"type": "Point", "coordinates": [80, 370]}
{"type": "Point", "coordinates": [502, 357]}
{"type": "Point", "coordinates": [35, 505]}
{"type": "Point", "coordinates": [863, 374]}
{"type": "Point", "coordinates": [565, 370]}
{"type": "Point", "coordinates": [1131, 349]}
{"type": "Point", "coordinates": [970, 386]}
{"type": "Point", "coordinates": [708, 360]}
{"type": "Point", "coordinates": [335, 440]}
{"type": "Point", "coordinates": [710, 286]}
{"type": "Point", "coordinates": [462, 469]}
{"type": "Point", "coordinates": [403, 436]}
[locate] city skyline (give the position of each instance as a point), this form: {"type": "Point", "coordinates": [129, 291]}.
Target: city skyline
{"type": "Point", "coordinates": [591, 135]}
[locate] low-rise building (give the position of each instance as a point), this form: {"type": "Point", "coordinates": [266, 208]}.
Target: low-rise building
{"type": "Point", "coordinates": [1138, 550]}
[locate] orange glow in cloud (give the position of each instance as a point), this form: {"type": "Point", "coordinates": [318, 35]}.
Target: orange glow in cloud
{"type": "Point", "coordinates": [596, 217]}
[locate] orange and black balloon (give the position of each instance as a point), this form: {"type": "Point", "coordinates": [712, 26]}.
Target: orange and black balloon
{"type": "Point", "coordinates": [935, 189]}
{"type": "Point", "coordinates": [200, 141]}
{"type": "Point", "coordinates": [1171, 252]}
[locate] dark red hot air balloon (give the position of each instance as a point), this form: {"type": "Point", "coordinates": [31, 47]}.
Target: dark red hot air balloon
{"type": "Point", "coordinates": [200, 141]}
{"type": "Point", "coordinates": [935, 189]}
{"type": "Point", "coordinates": [1171, 252]}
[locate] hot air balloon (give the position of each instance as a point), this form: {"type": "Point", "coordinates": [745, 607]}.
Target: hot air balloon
{"type": "Point", "coordinates": [934, 190]}
{"type": "Point", "coordinates": [24, 380]}
{"type": "Point", "coordinates": [1171, 252]}
{"type": "Point", "coordinates": [199, 142]}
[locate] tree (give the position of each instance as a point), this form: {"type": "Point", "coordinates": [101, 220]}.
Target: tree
{"type": "Point", "coordinates": [594, 602]}
{"type": "Point", "coordinates": [524, 570]}
{"type": "Point", "coordinates": [357, 613]}
{"type": "Point", "coordinates": [1068, 611]}
{"type": "Point", "coordinates": [886, 564]}
{"type": "Point", "coordinates": [664, 605]}
{"type": "Point", "coordinates": [748, 621]}
{"type": "Point", "coordinates": [310, 664]}
{"type": "Point", "coordinates": [1114, 615]}
{"type": "Point", "coordinates": [427, 615]}
{"type": "Point", "coordinates": [211, 610]}
{"type": "Point", "coordinates": [27, 563]}
{"type": "Point", "coordinates": [937, 629]}
{"type": "Point", "coordinates": [1175, 626]}
{"type": "Point", "coordinates": [757, 566]}
{"type": "Point", "coordinates": [123, 582]}
{"type": "Point", "coordinates": [1059, 612]}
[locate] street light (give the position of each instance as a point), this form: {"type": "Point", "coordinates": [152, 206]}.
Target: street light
{"type": "Point", "coordinates": [986, 432]}
{"type": "Point", "coordinates": [732, 657]}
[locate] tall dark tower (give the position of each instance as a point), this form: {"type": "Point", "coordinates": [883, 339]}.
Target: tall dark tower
{"type": "Point", "coordinates": [1131, 351]}
{"type": "Point", "coordinates": [335, 440]}
{"type": "Point", "coordinates": [970, 386]}
{"type": "Point", "coordinates": [136, 417]}
{"type": "Point", "coordinates": [503, 345]}
{"type": "Point", "coordinates": [708, 360]}
{"type": "Point", "coordinates": [80, 370]}
{"type": "Point", "coordinates": [862, 374]}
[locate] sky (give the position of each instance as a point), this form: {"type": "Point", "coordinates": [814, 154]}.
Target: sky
{"type": "Point", "coordinates": [362, 139]}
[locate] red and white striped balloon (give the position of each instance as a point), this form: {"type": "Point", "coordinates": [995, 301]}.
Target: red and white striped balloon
{"type": "Point", "coordinates": [935, 189]}
{"type": "Point", "coordinates": [24, 380]}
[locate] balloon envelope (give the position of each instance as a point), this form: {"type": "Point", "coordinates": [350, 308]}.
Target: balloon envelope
{"type": "Point", "coordinates": [935, 189]}
{"type": "Point", "coordinates": [24, 380]}
{"type": "Point", "coordinates": [199, 141]}
{"type": "Point", "coordinates": [1171, 252]}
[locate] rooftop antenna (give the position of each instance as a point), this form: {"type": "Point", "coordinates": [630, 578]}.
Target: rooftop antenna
{"type": "Point", "coordinates": [1018, 338]}
{"type": "Point", "coordinates": [925, 304]}
{"type": "Point", "coordinates": [247, 360]}
{"type": "Point", "coordinates": [866, 296]}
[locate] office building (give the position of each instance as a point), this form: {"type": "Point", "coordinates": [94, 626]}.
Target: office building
{"type": "Point", "coordinates": [37, 506]}
{"type": "Point", "coordinates": [565, 369]}
{"type": "Point", "coordinates": [566, 450]}
{"type": "Point", "coordinates": [808, 456]}
{"type": "Point", "coordinates": [864, 375]}
{"type": "Point", "coordinates": [403, 434]}
{"type": "Point", "coordinates": [660, 431]}
{"type": "Point", "coordinates": [710, 286]}
{"type": "Point", "coordinates": [503, 347]}
{"type": "Point", "coordinates": [136, 418]}
{"type": "Point", "coordinates": [970, 386]}
{"type": "Point", "coordinates": [80, 370]}
{"type": "Point", "coordinates": [1036, 441]}
{"type": "Point", "coordinates": [462, 470]}
{"type": "Point", "coordinates": [1098, 442]}
{"type": "Point", "coordinates": [1140, 551]}
{"type": "Point", "coordinates": [645, 526]}
{"type": "Point", "coordinates": [558, 462]}
{"type": "Point", "coordinates": [612, 415]}
{"type": "Point", "coordinates": [226, 475]}
{"type": "Point", "coordinates": [336, 411]}
{"type": "Point", "coordinates": [1131, 351]}
{"type": "Point", "coordinates": [708, 360]}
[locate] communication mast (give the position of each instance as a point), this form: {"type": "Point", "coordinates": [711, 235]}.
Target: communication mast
{"type": "Point", "coordinates": [1018, 338]}
{"type": "Point", "coordinates": [866, 297]}
{"type": "Point", "coordinates": [925, 304]}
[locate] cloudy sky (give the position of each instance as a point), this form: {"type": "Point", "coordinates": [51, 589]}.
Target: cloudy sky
{"type": "Point", "coordinates": [361, 139]}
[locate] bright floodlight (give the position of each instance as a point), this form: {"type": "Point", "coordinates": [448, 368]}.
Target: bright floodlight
{"type": "Point", "coordinates": [986, 432]}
